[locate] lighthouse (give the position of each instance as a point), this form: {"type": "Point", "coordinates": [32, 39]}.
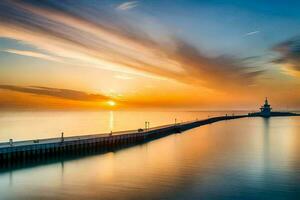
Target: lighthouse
{"type": "Point", "coordinates": [265, 110]}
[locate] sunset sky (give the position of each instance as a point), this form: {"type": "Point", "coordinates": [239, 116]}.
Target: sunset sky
{"type": "Point", "coordinates": [164, 54]}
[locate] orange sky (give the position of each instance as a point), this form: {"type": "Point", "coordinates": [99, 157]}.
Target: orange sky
{"type": "Point", "coordinates": [52, 59]}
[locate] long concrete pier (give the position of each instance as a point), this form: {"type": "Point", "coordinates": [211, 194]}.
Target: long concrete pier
{"type": "Point", "coordinates": [16, 152]}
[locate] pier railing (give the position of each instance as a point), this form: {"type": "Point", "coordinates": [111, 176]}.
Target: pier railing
{"type": "Point", "coordinates": [43, 148]}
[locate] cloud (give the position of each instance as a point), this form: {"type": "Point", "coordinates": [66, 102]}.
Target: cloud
{"type": "Point", "coordinates": [214, 72]}
{"type": "Point", "coordinates": [289, 55]}
{"type": "Point", "coordinates": [127, 5]}
{"type": "Point", "coordinates": [56, 92]}
{"type": "Point", "coordinates": [32, 54]}
{"type": "Point", "coordinates": [105, 40]}
{"type": "Point", "coordinates": [252, 33]}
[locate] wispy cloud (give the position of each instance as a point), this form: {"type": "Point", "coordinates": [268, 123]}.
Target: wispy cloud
{"type": "Point", "coordinates": [127, 5]}
{"type": "Point", "coordinates": [102, 40]}
{"type": "Point", "coordinates": [289, 55]}
{"type": "Point", "coordinates": [56, 92]}
{"type": "Point", "coordinates": [32, 54]}
{"type": "Point", "coordinates": [252, 33]}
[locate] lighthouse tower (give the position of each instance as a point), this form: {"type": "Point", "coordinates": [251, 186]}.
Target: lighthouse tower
{"type": "Point", "coordinates": [265, 110]}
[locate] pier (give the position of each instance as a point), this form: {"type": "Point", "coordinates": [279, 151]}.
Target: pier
{"type": "Point", "coordinates": [43, 149]}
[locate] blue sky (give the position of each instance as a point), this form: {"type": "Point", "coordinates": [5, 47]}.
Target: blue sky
{"type": "Point", "coordinates": [216, 27]}
{"type": "Point", "coordinates": [128, 49]}
{"type": "Point", "coordinates": [221, 26]}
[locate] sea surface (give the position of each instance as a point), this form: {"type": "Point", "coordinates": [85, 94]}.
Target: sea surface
{"type": "Point", "coordinates": [39, 125]}
{"type": "Point", "coordinates": [248, 158]}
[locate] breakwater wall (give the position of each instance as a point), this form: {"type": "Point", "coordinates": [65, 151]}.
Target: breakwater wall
{"type": "Point", "coordinates": [35, 150]}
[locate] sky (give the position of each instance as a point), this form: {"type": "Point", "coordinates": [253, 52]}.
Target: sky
{"type": "Point", "coordinates": [149, 54]}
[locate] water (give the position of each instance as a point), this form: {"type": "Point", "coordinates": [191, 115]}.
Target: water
{"type": "Point", "coordinates": [39, 125]}
{"type": "Point", "coordinates": [244, 159]}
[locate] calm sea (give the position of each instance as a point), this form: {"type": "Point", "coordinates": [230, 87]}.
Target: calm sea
{"type": "Point", "coordinates": [38, 125]}
{"type": "Point", "coordinates": [239, 159]}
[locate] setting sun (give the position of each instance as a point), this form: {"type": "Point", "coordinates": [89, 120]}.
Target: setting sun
{"type": "Point", "coordinates": [111, 103]}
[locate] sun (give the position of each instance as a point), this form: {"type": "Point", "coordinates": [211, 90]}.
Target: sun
{"type": "Point", "coordinates": [111, 103]}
